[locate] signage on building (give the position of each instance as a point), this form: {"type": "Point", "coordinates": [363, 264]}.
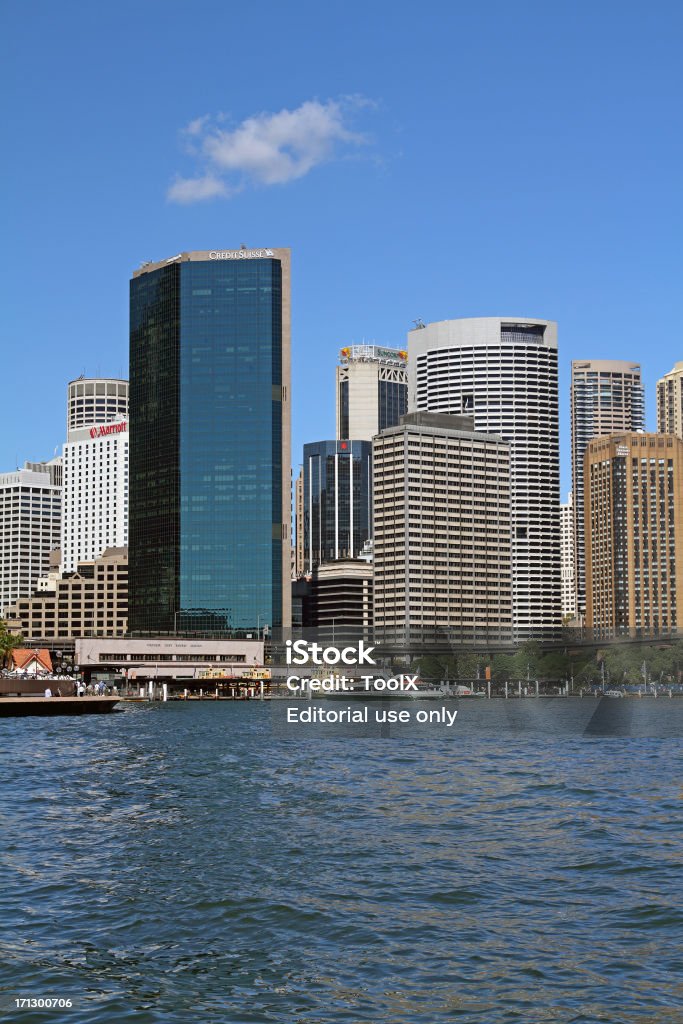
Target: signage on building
{"type": "Point", "coordinates": [622, 449]}
{"type": "Point", "coordinates": [240, 254]}
{"type": "Point", "coordinates": [107, 429]}
{"type": "Point", "coordinates": [373, 352]}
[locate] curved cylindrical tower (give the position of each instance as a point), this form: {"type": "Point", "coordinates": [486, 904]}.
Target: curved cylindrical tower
{"type": "Point", "coordinates": [95, 400]}
{"type": "Point", "coordinates": [503, 372]}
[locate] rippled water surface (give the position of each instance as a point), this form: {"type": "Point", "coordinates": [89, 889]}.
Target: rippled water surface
{"type": "Point", "coordinates": [179, 863]}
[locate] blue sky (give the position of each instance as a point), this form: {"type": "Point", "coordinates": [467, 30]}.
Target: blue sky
{"type": "Point", "coordinates": [439, 160]}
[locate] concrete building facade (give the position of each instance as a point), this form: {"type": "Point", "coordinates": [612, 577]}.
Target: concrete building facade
{"type": "Point", "coordinates": [30, 525]}
{"type": "Point", "coordinates": [299, 557]}
{"type": "Point", "coordinates": [607, 396]}
{"type": "Point", "coordinates": [633, 490]}
{"type": "Point", "coordinates": [91, 601]}
{"type": "Point", "coordinates": [372, 390]}
{"type": "Point", "coordinates": [169, 658]}
{"type": "Point", "coordinates": [503, 371]}
{"type": "Point", "coordinates": [670, 402]}
{"type": "Point", "coordinates": [95, 492]}
{"type": "Point", "coordinates": [442, 546]}
{"type": "Point", "coordinates": [567, 553]}
{"type": "Point", "coordinates": [95, 400]}
{"type": "Point", "coordinates": [339, 604]}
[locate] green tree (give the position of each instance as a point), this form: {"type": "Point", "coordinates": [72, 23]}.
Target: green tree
{"type": "Point", "coordinates": [502, 667]}
{"type": "Point", "coordinates": [431, 667]}
{"type": "Point", "coordinates": [8, 642]}
{"type": "Point", "coordinates": [468, 663]}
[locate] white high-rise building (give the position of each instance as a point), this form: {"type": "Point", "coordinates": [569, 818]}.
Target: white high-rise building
{"type": "Point", "coordinates": [30, 512]}
{"type": "Point", "coordinates": [503, 372]}
{"type": "Point", "coordinates": [372, 391]}
{"type": "Point", "coordinates": [670, 402]}
{"type": "Point", "coordinates": [93, 400]}
{"type": "Point", "coordinates": [95, 474]}
{"type": "Point", "coordinates": [567, 550]}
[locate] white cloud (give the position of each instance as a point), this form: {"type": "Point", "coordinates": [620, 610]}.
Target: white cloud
{"type": "Point", "coordinates": [193, 190]}
{"type": "Point", "coordinates": [266, 149]}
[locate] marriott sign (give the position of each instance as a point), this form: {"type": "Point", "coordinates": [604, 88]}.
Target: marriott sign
{"type": "Point", "coordinates": [108, 428]}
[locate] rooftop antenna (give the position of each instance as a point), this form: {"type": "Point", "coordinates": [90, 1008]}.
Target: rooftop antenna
{"type": "Point", "coordinates": [419, 324]}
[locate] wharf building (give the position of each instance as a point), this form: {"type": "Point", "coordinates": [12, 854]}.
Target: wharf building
{"type": "Point", "coordinates": [568, 561]}
{"type": "Point", "coordinates": [634, 530]}
{"type": "Point", "coordinates": [190, 664]}
{"type": "Point", "coordinates": [503, 371]}
{"type": "Point", "coordinates": [607, 396]}
{"type": "Point", "coordinates": [90, 601]}
{"type": "Point", "coordinates": [442, 545]}
{"type": "Point", "coordinates": [210, 478]}
{"type": "Point", "coordinates": [337, 500]}
{"type": "Point", "coordinates": [372, 390]}
{"type": "Point", "coordinates": [95, 476]}
{"type": "Point", "coordinates": [30, 525]}
{"type": "Point", "coordinates": [670, 402]}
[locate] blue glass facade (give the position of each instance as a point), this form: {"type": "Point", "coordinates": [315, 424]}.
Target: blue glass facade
{"type": "Point", "coordinates": [392, 403]}
{"type": "Point", "coordinates": [206, 492]}
{"type": "Point", "coordinates": [337, 500]}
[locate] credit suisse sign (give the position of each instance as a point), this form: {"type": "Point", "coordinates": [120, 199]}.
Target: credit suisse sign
{"type": "Point", "coordinates": [107, 429]}
{"type": "Point", "coordinates": [240, 254]}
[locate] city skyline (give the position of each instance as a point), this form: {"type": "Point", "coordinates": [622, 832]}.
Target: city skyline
{"type": "Point", "coordinates": [383, 231]}
{"type": "Point", "coordinates": [655, 372]}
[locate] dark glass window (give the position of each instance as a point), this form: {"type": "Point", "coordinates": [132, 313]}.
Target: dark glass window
{"type": "Point", "coordinates": [337, 494]}
{"type": "Point", "coordinates": [393, 402]}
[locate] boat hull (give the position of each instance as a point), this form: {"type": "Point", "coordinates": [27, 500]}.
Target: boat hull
{"type": "Point", "coordinates": [14, 707]}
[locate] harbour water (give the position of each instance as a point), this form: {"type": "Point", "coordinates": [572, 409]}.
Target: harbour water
{"type": "Point", "coordinates": [178, 863]}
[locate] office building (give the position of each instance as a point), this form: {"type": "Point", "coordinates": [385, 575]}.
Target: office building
{"type": "Point", "coordinates": [299, 563]}
{"type": "Point", "coordinates": [607, 396]}
{"type": "Point", "coordinates": [95, 477]}
{"type": "Point", "coordinates": [567, 557]}
{"type": "Point", "coordinates": [339, 605]}
{"type": "Point", "coordinates": [95, 400]}
{"type": "Point", "coordinates": [210, 477]}
{"type": "Point", "coordinates": [670, 402]}
{"type": "Point", "coordinates": [503, 372]}
{"type": "Point", "coordinates": [30, 521]}
{"type": "Point", "coordinates": [54, 469]}
{"type": "Point", "coordinates": [441, 514]}
{"type": "Point", "coordinates": [372, 390]}
{"type": "Point", "coordinates": [337, 498]}
{"type": "Point", "coordinates": [91, 601]}
{"type": "Point", "coordinates": [634, 532]}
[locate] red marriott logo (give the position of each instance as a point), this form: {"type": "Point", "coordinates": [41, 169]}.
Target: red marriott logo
{"type": "Point", "coordinates": [108, 428]}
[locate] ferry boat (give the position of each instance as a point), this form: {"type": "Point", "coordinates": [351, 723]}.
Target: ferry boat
{"type": "Point", "coordinates": [15, 707]}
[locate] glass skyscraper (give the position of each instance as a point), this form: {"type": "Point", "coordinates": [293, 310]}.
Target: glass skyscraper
{"type": "Point", "coordinates": [337, 500]}
{"type": "Point", "coordinates": [209, 512]}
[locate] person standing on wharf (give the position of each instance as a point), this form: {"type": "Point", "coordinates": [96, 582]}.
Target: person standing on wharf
{"type": "Point", "coordinates": [209, 506]}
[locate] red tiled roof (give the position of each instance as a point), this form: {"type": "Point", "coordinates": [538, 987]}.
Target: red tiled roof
{"type": "Point", "coordinates": [24, 657]}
